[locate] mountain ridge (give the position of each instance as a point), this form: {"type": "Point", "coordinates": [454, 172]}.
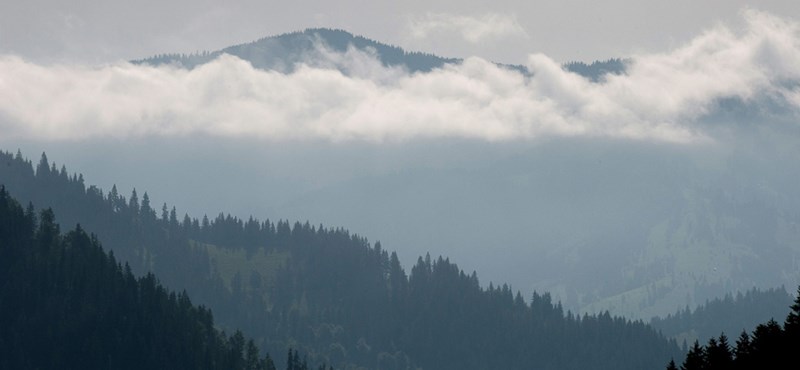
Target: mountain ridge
{"type": "Point", "coordinates": [284, 51]}
{"type": "Point", "coordinates": [333, 295]}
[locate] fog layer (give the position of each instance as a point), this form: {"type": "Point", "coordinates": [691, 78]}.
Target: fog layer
{"type": "Point", "coordinates": [648, 190]}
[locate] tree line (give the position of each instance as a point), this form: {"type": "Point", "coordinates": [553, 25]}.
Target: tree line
{"type": "Point", "coordinates": [333, 295]}
{"type": "Point", "coordinates": [770, 346]}
{"type": "Point", "coordinates": [68, 304]}
{"type": "Point", "coordinates": [729, 314]}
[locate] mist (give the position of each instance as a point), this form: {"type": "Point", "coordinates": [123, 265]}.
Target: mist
{"type": "Point", "coordinates": [602, 192]}
{"type": "Point", "coordinates": [660, 98]}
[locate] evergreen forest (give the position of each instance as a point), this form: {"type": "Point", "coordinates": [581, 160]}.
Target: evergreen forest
{"type": "Point", "coordinates": [66, 304]}
{"type": "Point", "coordinates": [326, 293]}
{"type": "Point", "coordinates": [729, 314]}
{"type": "Point", "coordinates": [770, 346]}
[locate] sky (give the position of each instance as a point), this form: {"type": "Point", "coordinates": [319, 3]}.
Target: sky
{"type": "Point", "coordinates": [102, 31]}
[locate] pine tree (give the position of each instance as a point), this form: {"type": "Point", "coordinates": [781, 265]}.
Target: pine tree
{"type": "Point", "coordinates": [743, 351]}
{"type": "Point", "coordinates": [148, 214]}
{"type": "Point", "coordinates": [43, 169]}
{"type": "Point", "coordinates": [290, 364]}
{"type": "Point", "coordinates": [718, 353]}
{"type": "Point", "coordinates": [695, 359]}
{"type": "Point", "coordinates": [267, 363]}
{"type": "Point", "coordinates": [133, 203]}
{"type": "Point", "coordinates": [251, 356]}
{"type": "Point", "coordinates": [792, 324]}
{"type": "Point", "coordinates": [671, 365]}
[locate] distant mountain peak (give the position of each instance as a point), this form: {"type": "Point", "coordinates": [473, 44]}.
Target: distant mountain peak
{"type": "Point", "coordinates": [285, 51]}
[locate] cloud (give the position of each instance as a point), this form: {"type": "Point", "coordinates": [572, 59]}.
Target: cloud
{"type": "Point", "coordinates": [662, 97]}
{"type": "Point", "coordinates": [472, 29]}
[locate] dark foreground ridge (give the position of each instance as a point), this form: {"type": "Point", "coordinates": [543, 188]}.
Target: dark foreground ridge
{"type": "Point", "coordinates": [66, 304]}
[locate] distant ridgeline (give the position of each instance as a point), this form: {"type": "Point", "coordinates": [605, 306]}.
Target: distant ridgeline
{"type": "Point", "coordinates": [597, 69]}
{"type": "Point", "coordinates": [284, 52]}
{"type": "Point", "coordinates": [731, 314]}
{"type": "Point", "coordinates": [327, 293]}
{"type": "Point", "coordinates": [770, 346]}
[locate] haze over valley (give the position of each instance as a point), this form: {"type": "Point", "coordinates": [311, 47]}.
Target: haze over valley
{"type": "Point", "coordinates": [639, 185]}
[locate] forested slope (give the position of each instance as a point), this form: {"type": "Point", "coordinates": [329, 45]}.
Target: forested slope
{"type": "Point", "coordinates": [729, 314]}
{"type": "Point", "coordinates": [66, 304]}
{"type": "Point", "coordinates": [769, 346]}
{"type": "Point", "coordinates": [334, 295]}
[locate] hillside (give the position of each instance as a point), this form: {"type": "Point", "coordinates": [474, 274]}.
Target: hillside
{"type": "Point", "coordinates": [730, 314]}
{"type": "Point", "coordinates": [334, 295]}
{"type": "Point", "coordinates": [769, 346]}
{"type": "Point", "coordinates": [66, 304]}
{"type": "Point", "coordinates": [666, 183]}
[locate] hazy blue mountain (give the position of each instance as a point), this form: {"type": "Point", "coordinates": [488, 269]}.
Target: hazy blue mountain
{"type": "Point", "coordinates": [284, 52]}
{"type": "Point", "coordinates": [612, 225]}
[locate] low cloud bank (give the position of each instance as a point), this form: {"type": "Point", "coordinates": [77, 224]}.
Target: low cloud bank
{"type": "Point", "coordinates": [662, 97]}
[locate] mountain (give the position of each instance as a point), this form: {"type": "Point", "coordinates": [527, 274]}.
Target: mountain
{"type": "Point", "coordinates": [284, 52]}
{"type": "Point", "coordinates": [638, 228]}
{"type": "Point", "coordinates": [641, 230]}
{"type": "Point", "coordinates": [311, 46]}
{"type": "Point", "coordinates": [730, 314]}
{"type": "Point", "coordinates": [66, 304]}
{"type": "Point", "coordinates": [334, 295]}
{"type": "Point", "coordinates": [635, 226]}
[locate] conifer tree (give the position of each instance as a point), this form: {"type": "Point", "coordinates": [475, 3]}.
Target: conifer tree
{"type": "Point", "coordinates": [671, 365]}
{"type": "Point", "coordinates": [743, 351]}
{"type": "Point", "coordinates": [718, 353]}
{"type": "Point", "coordinates": [290, 364]}
{"type": "Point", "coordinates": [792, 324]}
{"type": "Point", "coordinates": [43, 169]}
{"type": "Point", "coordinates": [695, 359]}
{"type": "Point", "coordinates": [133, 203]}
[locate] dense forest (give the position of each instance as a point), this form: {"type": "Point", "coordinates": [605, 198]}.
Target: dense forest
{"type": "Point", "coordinates": [729, 314]}
{"type": "Point", "coordinates": [769, 346]}
{"type": "Point", "coordinates": [66, 304]}
{"type": "Point", "coordinates": [333, 295]}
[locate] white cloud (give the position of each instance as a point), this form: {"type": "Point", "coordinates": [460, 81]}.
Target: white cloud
{"type": "Point", "coordinates": [473, 29]}
{"type": "Point", "coordinates": [661, 98]}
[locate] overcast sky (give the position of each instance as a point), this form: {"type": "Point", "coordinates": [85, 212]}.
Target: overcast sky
{"type": "Point", "coordinates": [99, 31]}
